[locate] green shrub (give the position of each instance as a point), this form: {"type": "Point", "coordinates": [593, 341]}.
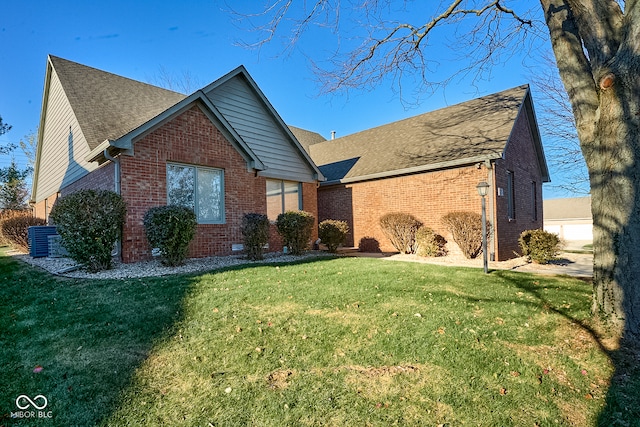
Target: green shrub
{"type": "Point", "coordinates": [89, 223]}
{"type": "Point", "coordinates": [295, 227]}
{"type": "Point", "coordinates": [255, 231]}
{"type": "Point", "coordinates": [170, 229]}
{"type": "Point", "coordinates": [429, 243]}
{"type": "Point", "coordinates": [400, 229]}
{"type": "Point", "coordinates": [332, 233]}
{"type": "Point", "coordinates": [539, 246]}
{"type": "Point", "coordinates": [369, 245]}
{"type": "Point", "coordinates": [15, 229]}
{"type": "Point", "coordinates": [466, 230]}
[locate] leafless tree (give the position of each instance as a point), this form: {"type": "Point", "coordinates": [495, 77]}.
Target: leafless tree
{"type": "Point", "coordinates": [28, 145]}
{"type": "Point", "coordinates": [558, 128]}
{"type": "Point", "coordinates": [183, 82]}
{"type": "Point", "coordinates": [596, 44]}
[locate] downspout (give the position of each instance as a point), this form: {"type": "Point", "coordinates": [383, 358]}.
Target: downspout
{"type": "Point", "coordinates": [116, 163]}
{"type": "Point", "coordinates": [116, 180]}
{"type": "Point", "coordinates": [492, 212]}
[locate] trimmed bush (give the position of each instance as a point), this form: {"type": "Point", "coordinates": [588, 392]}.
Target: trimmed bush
{"type": "Point", "coordinates": [400, 228]}
{"type": "Point", "coordinates": [332, 233]}
{"type": "Point", "coordinates": [6, 214]}
{"type": "Point", "coordinates": [89, 223]}
{"type": "Point", "coordinates": [170, 229]}
{"type": "Point", "coordinates": [429, 243]}
{"type": "Point", "coordinates": [255, 231]}
{"type": "Point", "coordinates": [369, 245]}
{"type": "Point", "coordinates": [295, 227]}
{"type": "Point", "coordinates": [16, 229]}
{"type": "Point", "coordinates": [466, 230]}
{"type": "Point", "coordinates": [539, 246]}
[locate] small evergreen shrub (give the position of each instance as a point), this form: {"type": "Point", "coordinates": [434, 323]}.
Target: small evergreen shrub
{"type": "Point", "coordinates": [89, 223]}
{"type": "Point", "coordinates": [369, 245]}
{"type": "Point", "coordinates": [539, 246]}
{"type": "Point", "coordinates": [332, 233]}
{"type": "Point", "coordinates": [255, 231]}
{"type": "Point", "coordinates": [400, 228]}
{"type": "Point", "coordinates": [429, 243]}
{"type": "Point", "coordinates": [466, 230]}
{"type": "Point", "coordinates": [295, 227]}
{"type": "Point", "coordinates": [170, 229]}
{"type": "Point", "coordinates": [15, 230]}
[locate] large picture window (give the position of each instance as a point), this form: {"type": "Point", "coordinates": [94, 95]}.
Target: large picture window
{"type": "Point", "coordinates": [198, 188]}
{"type": "Point", "coordinates": [282, 196]}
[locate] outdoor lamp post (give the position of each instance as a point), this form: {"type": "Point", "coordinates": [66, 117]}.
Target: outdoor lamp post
{"type": "Point", "coordinates": [483, 189]}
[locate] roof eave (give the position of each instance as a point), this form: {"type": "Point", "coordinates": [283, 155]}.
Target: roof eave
{"type": "Point", "coordinates": [527, 105]}
{"type": "Point", "coordinates": [43, 111]}
{"type": "Point", "coordinates": [416, 169]}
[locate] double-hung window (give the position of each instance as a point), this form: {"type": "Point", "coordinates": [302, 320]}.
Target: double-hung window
{"type": "Point", "coordinates": [282, 196]}
{"type": "Point", "coordinates": [198, 188]}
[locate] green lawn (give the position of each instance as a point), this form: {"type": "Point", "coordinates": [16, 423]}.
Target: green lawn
{"type": "Point", "coordinates": [336, 342]}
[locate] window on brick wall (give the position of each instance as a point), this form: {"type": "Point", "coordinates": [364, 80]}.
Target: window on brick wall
{"type": "Point", "coordinates": [534, 201]}
{"type": "Point", "coordinates": [198, 188]}
{"type": "Point", "coordinates": [282, 196]}
{"type": "Point", "coordinates": [511, 196]}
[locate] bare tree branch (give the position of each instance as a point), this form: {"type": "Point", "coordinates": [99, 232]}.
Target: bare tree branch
{"type": "Point", "coordinates": [392, 48]}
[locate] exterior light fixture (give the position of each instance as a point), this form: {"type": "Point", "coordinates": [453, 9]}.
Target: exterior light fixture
{"type": "Point", "coordinates": [483, 190]}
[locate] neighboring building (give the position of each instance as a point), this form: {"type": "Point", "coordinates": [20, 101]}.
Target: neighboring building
{"type": "Point", "coordinates": [429, 165]}
{"type": "Point", "coordinates": [225, 151]}
{"type": "Point", "coordinates": [570, 219]}
{"type": "Point", "coordinates": [222, 150]}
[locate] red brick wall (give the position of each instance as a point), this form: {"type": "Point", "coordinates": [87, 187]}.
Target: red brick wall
{"type": "Point", "coordinates": [192, 139]}
{"type": "Point", "coordinates": [521, 159]}
{"type": "Point", "coordinates": [42, 209]}
{"type": "Point", "coordinates": [427, 196]}
{"type": "Point", "coordinates": [102, 178]}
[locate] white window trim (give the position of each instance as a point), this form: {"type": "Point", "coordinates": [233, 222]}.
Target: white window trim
{"type": "Point", "coordinates": [223, 220]}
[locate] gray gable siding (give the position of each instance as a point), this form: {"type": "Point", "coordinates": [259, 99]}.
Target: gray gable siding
{"type": "Point", "coordinates": [245, 112]}
{"type": "Point", "coordinates": [60, 164]}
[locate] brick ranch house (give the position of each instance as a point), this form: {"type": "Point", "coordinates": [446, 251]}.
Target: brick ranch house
{"type": "Point", "coordinates": [225, 151]}
{"type": "Point", "coordinates": [430, 165]}
{"type": "Point", "coordinates": [222, 150]}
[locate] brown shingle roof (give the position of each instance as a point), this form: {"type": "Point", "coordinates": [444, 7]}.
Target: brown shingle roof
{"type": "Point", "coordinates": [465, 132]}
{"type": "Point", "coordinates": [106, 105]}
{"type": "Point", "coordinates": [306, 138]}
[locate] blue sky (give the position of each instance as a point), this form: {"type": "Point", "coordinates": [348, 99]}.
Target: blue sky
{"type": "Point", "coordinates": [137, 39]}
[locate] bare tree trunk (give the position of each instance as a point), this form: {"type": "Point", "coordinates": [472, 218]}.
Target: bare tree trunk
{"type": "Point", "coordinates": [613, 161]}
{"type": "Point", "coordinates": [604, 87]}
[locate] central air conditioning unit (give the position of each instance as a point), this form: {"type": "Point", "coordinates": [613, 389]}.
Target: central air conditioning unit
{"type": "Point", "coordinates": [39, 240]}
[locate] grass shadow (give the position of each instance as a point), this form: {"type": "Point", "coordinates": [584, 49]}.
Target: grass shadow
{"type": "Point", "coordinates": [79, 342]}
{"type": "Point", "coordinates": [621, 407]}
{"type": "Point", "coordinates": [76, 342]}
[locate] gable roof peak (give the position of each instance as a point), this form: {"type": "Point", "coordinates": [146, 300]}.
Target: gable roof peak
{"type": "Point", "coordinates": [107, 105]}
